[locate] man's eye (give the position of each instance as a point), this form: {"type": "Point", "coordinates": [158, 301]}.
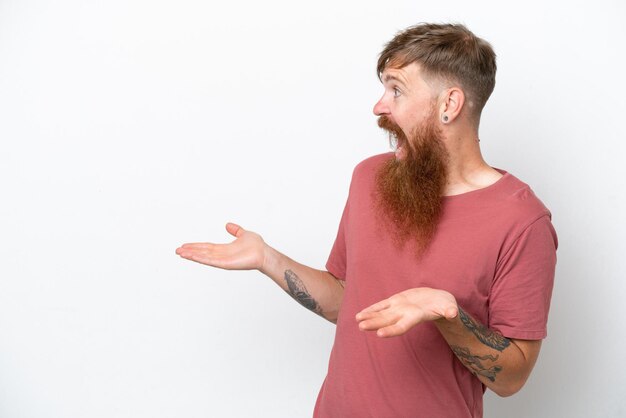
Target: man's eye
{"type": "Point", "coordinates": [396, 92]}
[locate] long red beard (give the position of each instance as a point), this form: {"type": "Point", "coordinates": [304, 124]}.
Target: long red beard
{"type": "Point", "coordinates": [409, 191]}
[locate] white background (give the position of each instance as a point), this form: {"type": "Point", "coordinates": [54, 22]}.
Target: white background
{"type": "Point", "coordinates": [128, 127]}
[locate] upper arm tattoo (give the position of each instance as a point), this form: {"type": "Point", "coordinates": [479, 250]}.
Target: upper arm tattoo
{"type": "Point", "coordinates": [298, 291]}
{"type": "Point", "coordinates": [486, 336]}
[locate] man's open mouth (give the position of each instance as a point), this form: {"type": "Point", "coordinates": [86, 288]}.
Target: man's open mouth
{"type": "Point", "coordinates": [397, 146]}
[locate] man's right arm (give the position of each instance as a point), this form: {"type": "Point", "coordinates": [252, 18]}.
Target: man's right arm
{"type": "Point", "coordinates": [317, 290]}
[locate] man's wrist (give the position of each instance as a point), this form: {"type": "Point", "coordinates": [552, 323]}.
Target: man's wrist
{"type": "Point", "coordinates": [269, 260]}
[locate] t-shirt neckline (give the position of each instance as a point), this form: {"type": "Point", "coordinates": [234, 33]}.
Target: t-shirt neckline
{"type": "Point", "coordinates": [484, 191]}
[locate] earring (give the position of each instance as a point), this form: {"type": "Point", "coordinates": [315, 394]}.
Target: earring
{"type": "Point", "coordinates": [444, 118]}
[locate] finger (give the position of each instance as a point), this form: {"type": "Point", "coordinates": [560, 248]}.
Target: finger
{"type": "Point", "coordinates": [196, 244]}
{"type": "Point", "coordinates": [192, 248]}
{"type": "Point", "coordinates": [186, 253]}
{"type": "Point", "coordinates": [394, 330]}
{"type": "Point", "coordinates": [362, 316]}
{"type": "Point", "coordinates": [365, 315]}
{"type": "Point", "coordinates": [225, 263]}
{"type": "Point", "coordinates": [377, 322]}
{"type": "Point", "coordinates": [379, 306]}
{"type": "Point", "coordinates": [212, 250]}
{"type": "Point", "coordinates": [234, 229]}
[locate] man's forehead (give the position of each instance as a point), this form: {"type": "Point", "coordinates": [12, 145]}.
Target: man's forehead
{"type": "Point", "coordinates": [388, 76]}
{"type": "Point", "coordinates": [405, 75]}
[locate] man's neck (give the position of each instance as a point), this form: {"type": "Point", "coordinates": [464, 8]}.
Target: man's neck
{"type": "Point", "coordinates": [467, 170]}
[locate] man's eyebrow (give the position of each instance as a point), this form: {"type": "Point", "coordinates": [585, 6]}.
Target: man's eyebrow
{"type": "Point", "coordinates": [389, 77]}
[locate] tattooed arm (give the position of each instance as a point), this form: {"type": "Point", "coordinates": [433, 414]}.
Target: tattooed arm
{"type": "Point", "coordinates": [316, 290]}
{"type": "Point", "coordinates": [502, 364]}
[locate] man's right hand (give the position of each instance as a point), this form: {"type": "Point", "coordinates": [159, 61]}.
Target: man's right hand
{"type": "Point", "coordinates": [317, 290]}
{"type": "Point", "coordinates": [246, 252]}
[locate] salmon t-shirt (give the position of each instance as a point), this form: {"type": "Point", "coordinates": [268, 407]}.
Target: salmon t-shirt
{"type": "Point", "coordinates": [494, 250]}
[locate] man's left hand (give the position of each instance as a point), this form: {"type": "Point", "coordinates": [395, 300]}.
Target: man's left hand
{"type": "Point", "coordinates": [399, 313]}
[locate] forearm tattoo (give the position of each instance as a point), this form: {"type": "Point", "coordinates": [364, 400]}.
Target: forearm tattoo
{"type": "Point", "coordinates": [486, 336]}
{"type": "Point", "coordinates": [298, 291]}
{"type": "Point", "coordinates": [475, 363]}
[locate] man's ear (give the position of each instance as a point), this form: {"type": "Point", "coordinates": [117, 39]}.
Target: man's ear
{"type": "Point", "coordinates": [452, 103]}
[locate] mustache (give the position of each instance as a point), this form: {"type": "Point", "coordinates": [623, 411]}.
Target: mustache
{"type": "Point", "coordinates": [391, 127]}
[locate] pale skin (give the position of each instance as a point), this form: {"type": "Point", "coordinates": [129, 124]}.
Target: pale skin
{"type": "Point", "coordinates": [249, 252]}
{"type": "Point", "coordinates": [502, 364]}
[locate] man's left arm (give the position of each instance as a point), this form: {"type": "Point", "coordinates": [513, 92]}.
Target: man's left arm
{"type": "Point", "coordinates": [502, 364]}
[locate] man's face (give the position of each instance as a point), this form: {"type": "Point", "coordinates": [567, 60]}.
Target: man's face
{"type": "Point", "coordinates": [409, 187]}
{"type": "Point", "coordinates": [407, 102]}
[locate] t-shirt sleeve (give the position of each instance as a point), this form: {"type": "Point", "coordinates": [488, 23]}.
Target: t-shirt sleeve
{"type": "Point", "coordinates": [522, 288]}
{"type": "Point", "coordinates": [336, 263]}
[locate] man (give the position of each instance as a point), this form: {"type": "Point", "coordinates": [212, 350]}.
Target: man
{"type": "Point", "coordinates": [441, 274]}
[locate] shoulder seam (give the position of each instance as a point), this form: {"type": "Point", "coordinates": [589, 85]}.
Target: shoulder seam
{"type": "Point", "coordinates": [523, 230]}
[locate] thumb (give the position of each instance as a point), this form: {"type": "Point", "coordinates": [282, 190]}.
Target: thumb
{"type": "Point", "coordinates": [234, 229]}
{"type": "Point", "coordinates": [451, 312]}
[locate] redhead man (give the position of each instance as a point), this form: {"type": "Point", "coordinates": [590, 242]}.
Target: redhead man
{"type": "Point", "coordinates": [441, 274]}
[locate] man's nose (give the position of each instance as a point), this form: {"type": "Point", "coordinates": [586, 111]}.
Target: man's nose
{"type": "Point", "coordinates": [381, 108]}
